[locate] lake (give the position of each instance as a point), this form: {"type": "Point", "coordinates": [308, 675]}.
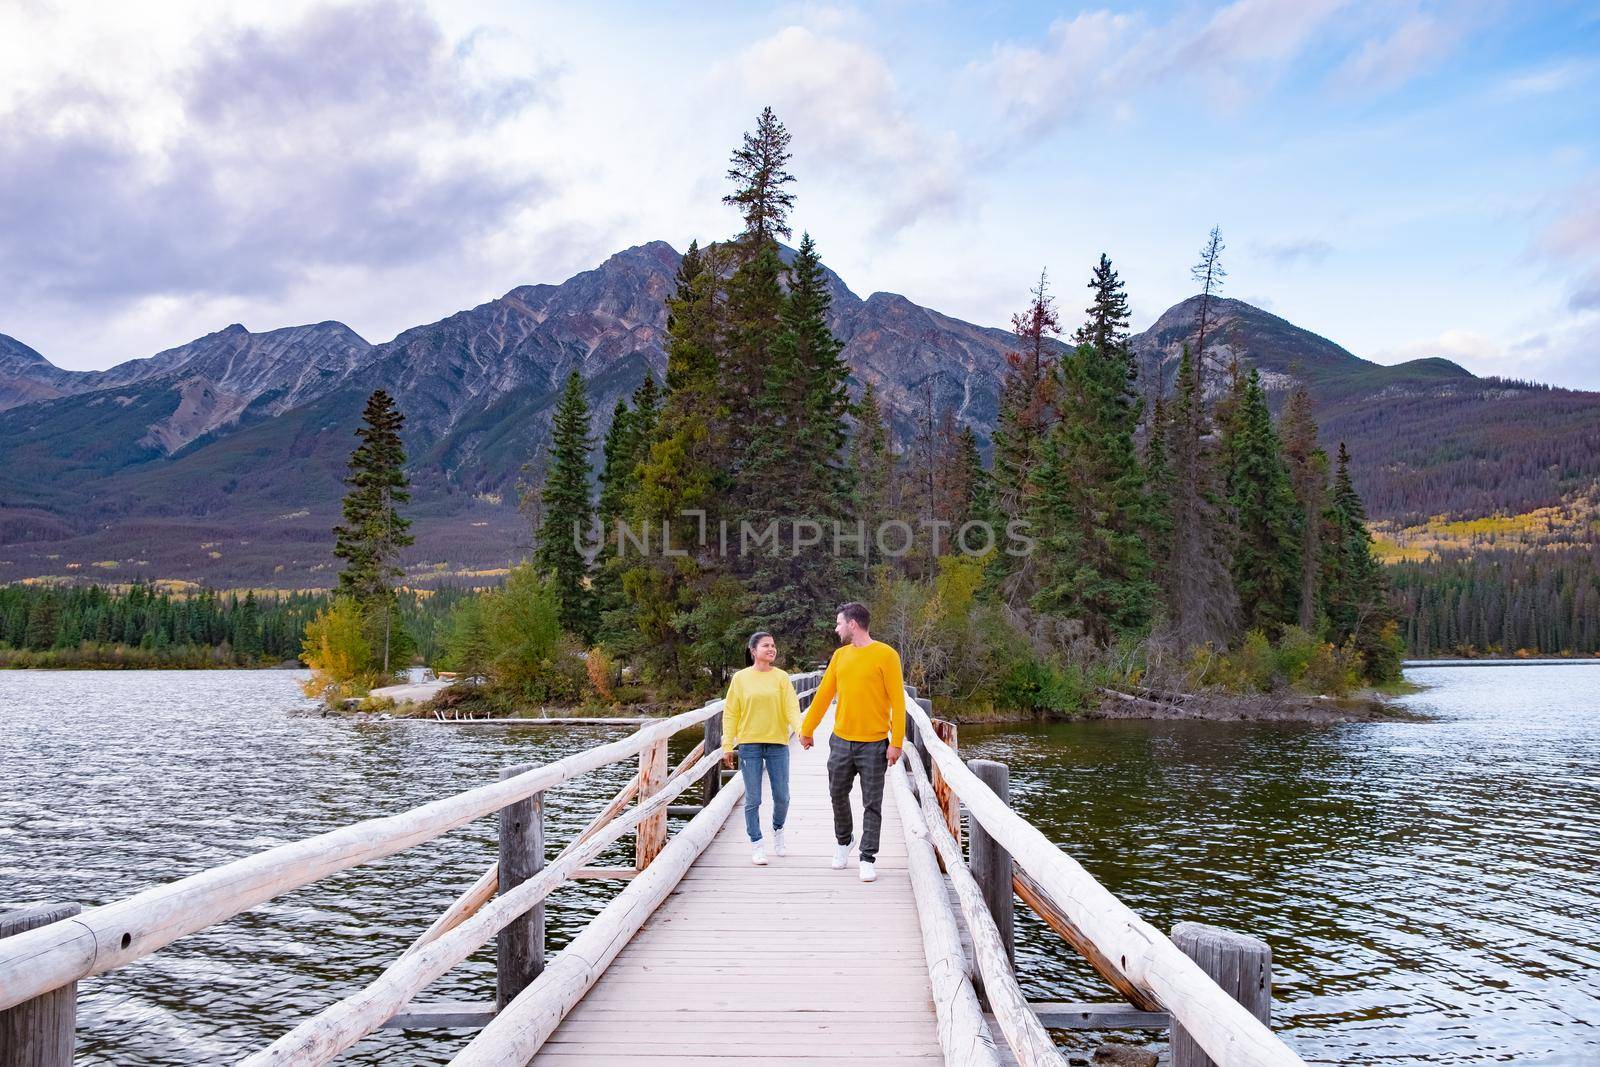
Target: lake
{"type": "Point", "coordinates": [1428, 887]}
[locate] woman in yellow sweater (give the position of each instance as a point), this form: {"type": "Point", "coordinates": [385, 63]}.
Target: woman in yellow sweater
{"type": "Point", "coordinates": [760, 713]}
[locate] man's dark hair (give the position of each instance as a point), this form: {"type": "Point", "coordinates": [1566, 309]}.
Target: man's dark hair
{"type": "Point", "coordinates": [857, 613]}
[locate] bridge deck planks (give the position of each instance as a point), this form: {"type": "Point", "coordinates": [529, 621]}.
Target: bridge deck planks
{"type": "Point", "coordinates": [790, 963]}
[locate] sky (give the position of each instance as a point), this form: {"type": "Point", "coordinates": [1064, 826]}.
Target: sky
{"type": "Point", "coordinates": [1407, 179]}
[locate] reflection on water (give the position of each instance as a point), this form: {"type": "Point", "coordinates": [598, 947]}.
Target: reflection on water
{"type": "Point", "coordinates": [1428, 888]}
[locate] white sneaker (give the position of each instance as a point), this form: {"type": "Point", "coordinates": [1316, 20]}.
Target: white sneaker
{"type": "Point", "coordinates": [759, 856]}
{"type": "Point", "coordinates": [841, 856]}
{"type": "Point", "coordinates": [779, 845]}
{"type": "Point", "coordinates": [869, 873]}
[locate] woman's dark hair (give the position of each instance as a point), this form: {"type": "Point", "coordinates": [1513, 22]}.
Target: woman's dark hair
{"type": "Point", "coordinates": [750, 646]}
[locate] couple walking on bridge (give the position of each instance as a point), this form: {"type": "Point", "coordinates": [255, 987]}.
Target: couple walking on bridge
{"type": "Point", "coordinates": [762, 711]}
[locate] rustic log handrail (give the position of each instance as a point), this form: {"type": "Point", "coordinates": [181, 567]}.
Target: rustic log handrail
{"type": "Point", "coordinates": [112, 935]}
{"type": "Point", "coordinates": [336, 1028]}
{"type": "Point", "coordinates": [518, 1031]}
{"type": "Point", "coordinates": [1029, 1042]}
{"type": "Point", "coordinates": [964, 1035]}
{"type": "Point", "coordinates": [1227, 1032]}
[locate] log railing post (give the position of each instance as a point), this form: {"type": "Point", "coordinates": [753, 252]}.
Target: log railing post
{"type": "Point", "coordinates": [519, 947]}
{"type": "Point", "coordinates": [990, 863]}
{"type": "Point", "coordinates": [1239, 963]}
{"type": "Point", "coordinates": [39, 1032]}
{"type": "Point", "coordinates": [712, 782]}
{"type": "Point", "coordinates": [651, 837]}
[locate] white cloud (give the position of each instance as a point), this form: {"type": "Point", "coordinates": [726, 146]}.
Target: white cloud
{"type": "Point", "coordinates": [1411, 49]}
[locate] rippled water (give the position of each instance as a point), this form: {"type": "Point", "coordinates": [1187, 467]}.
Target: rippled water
{"type": "Point", "coordinates": [113, 781]}
{"type": "Point", "coordinates": [1428, 888]}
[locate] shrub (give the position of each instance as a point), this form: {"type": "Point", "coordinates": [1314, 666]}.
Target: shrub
{"type": "Point", "coordinates": [1334, 671]}
{"type": "Point", "coordinates": [336, 648]}
{"type": "Point", "coordinates": [601, 673]}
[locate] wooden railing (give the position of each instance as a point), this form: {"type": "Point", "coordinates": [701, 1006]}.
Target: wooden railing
{"type": "Point", "coordinates": [1209, 1023]}
{"type": "Point", "coordinates": [43, 959]}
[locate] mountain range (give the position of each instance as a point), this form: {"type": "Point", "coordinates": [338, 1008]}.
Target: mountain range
{"type": "Point", "coordinates": [221, 461]}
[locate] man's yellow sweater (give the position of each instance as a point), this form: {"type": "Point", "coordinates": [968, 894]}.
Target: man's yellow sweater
{"type": "Point", "coordinates": [871, 692]}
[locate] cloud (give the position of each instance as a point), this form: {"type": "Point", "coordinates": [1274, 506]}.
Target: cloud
{"type": "Point", "coordinates": [840, 100]}
{"type": "Point", "coordinates": [1570, 242]}
{"type": "Point", "coordinates": [1546, 80]}
{"type": "Point", "coordinates": [351, 135]}
{"type": "Point", "coordinates": [1296, 250]}
{"type": "Point", "coordinates": [1411, 49]}
{"type": "Point", "coordinates": [1105, 60]}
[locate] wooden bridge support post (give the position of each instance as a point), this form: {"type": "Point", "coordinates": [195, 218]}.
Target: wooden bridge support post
{"type": "Point", "coordinates": [651, 837]}
{"type": "Point", "coordinates": [712, 782]}
{"type": "Point", "coordinates": [519, 948]}
{"type": "Point", "coordinates": [39, 1032]}
{"type": "Point", "coordinates": [1239, 963]}
{"type": "Point", "coordinates": [990, 863]}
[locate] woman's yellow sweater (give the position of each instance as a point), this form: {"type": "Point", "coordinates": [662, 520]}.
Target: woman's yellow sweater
{"type": "Point", "coordinates": [762, 708]}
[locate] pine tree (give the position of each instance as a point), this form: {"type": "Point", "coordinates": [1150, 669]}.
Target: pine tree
{"type": "Point", "coordinates": [684, 470]}
{"type": "Point", "coordinates": [1091, 497]}
{"type": "Point", "coordinates": [1355, 592]}
{"type": "Point", "coordinates": [568, 512]}
{"type": "Point", "coordinates": [626, 447]}
{"type": "Point", "coordinates": [873, 462]}
{"type": "Point", "coordinates": [798, 468]}
{"type": "Point", "coordinates": [973, 501]}
{"type": "Point", "coordinates": [1201, 603]}
{"type": "Point", "coordinates": [1024, 417]}
{"type": "Point", "coordinates": [1158, 495]}
{"type": "Point", "coordinates": [759, 179]}
{"type": "Point", "coordinates": [1308, 475]}
{"type": "Point", "coordinates": [373, 532]}
{"type": "Point", "coordinates": [1266, 535]}
{"type": "Point", "coordinates": [246, 636]}
{"type": "Point", "coordinates": [1210, 274]}
{"type": "Point", "coordinates": [618, 455]}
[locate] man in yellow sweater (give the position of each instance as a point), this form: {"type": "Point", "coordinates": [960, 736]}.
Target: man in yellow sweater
{"type": "Point", "coordinates": [868, 730]}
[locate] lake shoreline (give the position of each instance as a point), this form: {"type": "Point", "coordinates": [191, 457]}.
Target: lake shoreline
{"type": "Point", "coordinates": [1365, 706]}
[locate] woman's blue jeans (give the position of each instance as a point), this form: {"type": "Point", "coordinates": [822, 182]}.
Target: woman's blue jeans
{"type": "Point", "coordinates": [752, 757]}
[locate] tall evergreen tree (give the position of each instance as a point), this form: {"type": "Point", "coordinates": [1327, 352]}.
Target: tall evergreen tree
{"type": "Point", "coordinates": [798, 466]}
{"type": "Point", "coordinates": [972, 502]}
{"type": "Point", "coordinates": [1308, 475]}
{"type": "Point", "coordinates": [568, 511]}
{"type": "Point", "coordinates": [1355, 593]}
{"type": "Point", "coordinates": [1201, 602]}
{"type": "Point", "coordinates": [1025, 416]}
{"type": "Point", "coordinates": [760, 180]}
{"type": "Point", "coordinates": [1208, 271]}
{"type": "Point", "coordinates": [1158, 494]}
{"type": "Point", "coordinates": [373, 532]}
{"type": "Point", "coordinates": [872, 459]}
{"type": "Point", "coordinates": [1266, 516]}
{"type": "Point", "coordinates": [684, 472]}
{"type": "Point", "coordinates": [626, 447]}
{"type": "Point", "coordinates": [1091, 496]}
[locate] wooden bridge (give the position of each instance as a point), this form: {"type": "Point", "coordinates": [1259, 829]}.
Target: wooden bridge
{"type": "Point", "coordinates": [702, 955]}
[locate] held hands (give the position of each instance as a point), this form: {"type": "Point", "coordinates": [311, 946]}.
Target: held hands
{"type": "Point", "coordinates": [806, 741]}
{"type": "Point", "coordinates": [894, 755]}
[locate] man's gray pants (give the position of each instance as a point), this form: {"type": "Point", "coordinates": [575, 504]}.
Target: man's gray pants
{"type": "Point", "coordinates": [846, 760]}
